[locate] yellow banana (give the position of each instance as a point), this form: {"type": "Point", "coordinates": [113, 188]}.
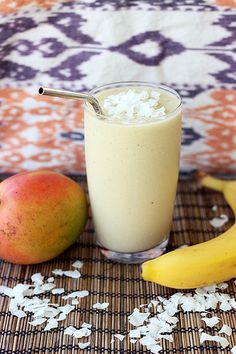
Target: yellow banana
{"type": "Point", "coordinates": [203, 264]}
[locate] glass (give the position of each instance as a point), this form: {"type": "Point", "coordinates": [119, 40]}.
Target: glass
{"type": "Point", "coordinates": [132, 173]}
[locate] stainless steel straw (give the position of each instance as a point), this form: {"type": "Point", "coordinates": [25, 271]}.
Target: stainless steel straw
{"type": "Point", "coordinates": [72, 95]}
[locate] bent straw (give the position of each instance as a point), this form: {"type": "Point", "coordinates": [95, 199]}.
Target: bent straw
{"type": "Point", "coordinates": [72, 95]}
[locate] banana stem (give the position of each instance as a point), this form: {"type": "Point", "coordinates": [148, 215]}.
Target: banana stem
{"type": "Point", "coordinates": [211, 182]}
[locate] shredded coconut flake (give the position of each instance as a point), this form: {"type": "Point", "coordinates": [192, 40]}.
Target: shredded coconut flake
{"type": "Point", "coordinates": [207, 337]}
{"type": "Point", "coordinates": [155, 349]}
{"type": "Point", "coordinates": [66, 309]}
{"type": "Point", "coordinates": [211, 321]}
{"type": "Point", "coordinates": [225, 306]}
{"type": "Point", "coordinates": [18, 313]}
{"type": "Point", "coordinates": [134, 106]}
{"type": "Point", "coordinates": [59, 272]}
{"type": "Point", "coordinates": [147, 341]}
{"type": "Point", "coordinates": [80, 294]}
{"type": "Point", "coordinates": [219, 221]}
{"type": "Point", "coordinates": [77, 264]}
{"type": "Point", "coordinates": [72, 274]}
{"type": "Point", "coordinates": [61, 317]}
{"type": "Point", "coordinates": [84, 345]}
{"type": "Point", "coordinates": [137, 318]}
{"type": "Point", "coordinates": [50, 280]}
{"type": "Point", "coordinates": [51, 323]}
{"type": "Point", "coordinates": [226, 330]}
{"type": "Point", "coordinates": [134, 333]}
{"type": "Point", "coordinates": [100, 306]}
{"type": "Point", "coordinates": [74, 302]}
{"type": "Point", "coordinates": [37, 278]}
{"type": "Point", "coordinates": [233, 350]}
{"type": "Point", "coordinates": [6, 291]}
{"type": "Point", "coordinates": [82, 332]}
{"type": "Point", "coordinates": [70, 330]}
{"type": "Point", "coordinates": [119, 336]}
{"type": "Point", "coordinates": [86, 325]}
{"type": "Point", "coordinates": [38, 321]}
{"type": "Point", "coordinates": [58, 291]}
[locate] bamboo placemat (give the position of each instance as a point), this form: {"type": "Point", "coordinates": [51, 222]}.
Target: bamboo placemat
{"type": "Point", "coordinates": [121, 286]}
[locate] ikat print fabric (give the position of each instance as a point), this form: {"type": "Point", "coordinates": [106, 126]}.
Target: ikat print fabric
{"type": "Point", "coordinates": [76, 45]}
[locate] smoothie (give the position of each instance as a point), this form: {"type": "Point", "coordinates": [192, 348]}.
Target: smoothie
{"type": "Point", "coordinates": [132, 170]}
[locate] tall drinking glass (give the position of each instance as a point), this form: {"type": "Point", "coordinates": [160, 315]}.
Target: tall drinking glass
{"type": "Point", "coordinates": [132, 172]}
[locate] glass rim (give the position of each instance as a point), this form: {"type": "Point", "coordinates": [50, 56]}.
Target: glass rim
{"type": "Point", "coordinates": [118, 84]}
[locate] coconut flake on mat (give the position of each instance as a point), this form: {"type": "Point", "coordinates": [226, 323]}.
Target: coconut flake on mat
{"type": "Point", "coordinates": [6, 291]}
{"type": "Point", "coordinates": [82, 332]}
{"type": "Point", "coordinates": [75, 302]}
{"type": "Point", "coordinates": [37, 278]}
{"type": "Point", "coordinates": [219, 221]}
{"type": "Point", "coordinates": [232, 303]}
{"type": "Point", "coordinates": [226, 330]}
{"type": "Point", "coordinates": [84, 345]}
{"type": "Point", "coordinates": [70, 330]}
{"type": "Point", "coordinates": [100, 306]}
{"type": "Point", "coordinates": [119, 336]}
{"type": "Point", "coordinates": [86, 325]}
{"type": "Point", "coordinates": [58, 291]}
{"type": "Point", "coordinates": [233, 350]}
{"type": "Point", "coordinates": [137, 318]}
{"type": "Point", "coordinates": [62, 317]}
{"type": "Point", "coordinates": [18, 313]}
{"type": "Point", "coordinates": [207, 337]}
{"type": "Point", "coordinates": [155, 349]}
{"type": "Point", "coordinates": [211, 321]}
{"type": "Point", "coordinates": [66, 308]}
{"type": "Point", "coordinates": [59, 272]}
{"type": "Point", "coordinates": [50, 280]}
{"type": "Point", "coordinates": [167, 318]}
{"type": "Point", "coordinates": [48, 287]}
{"type": "Point", "coordinates": [72, 274]}
{"type": "Point", "coordinates": [225, 306]}
{"type": "Point", "coordinates": [38, 321]}
{"type": "Point", "coordinates": [20, 290]}
{"type": "Point", "coordinates": [77, 264]}
{"type": "Point", "coordinates": [68, 273]}
{"type": "Point", "coordinates": [51, 323]}
{"type": "Point", "coordinates": [73, 295]}
{"type": "Point", "coordinates": [134, 333]}
{"type": "Point", "coordinates": [147, 341]}
{"type": "Point", "coordinates": [134, 106]}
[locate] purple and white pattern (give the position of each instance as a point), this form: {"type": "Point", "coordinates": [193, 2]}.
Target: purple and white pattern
{"type": "Point", "coordinates": [184, 44]}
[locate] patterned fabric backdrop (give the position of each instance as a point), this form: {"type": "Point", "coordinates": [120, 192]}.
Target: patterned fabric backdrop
{"type": "Point", "coordinates": [186, 44]}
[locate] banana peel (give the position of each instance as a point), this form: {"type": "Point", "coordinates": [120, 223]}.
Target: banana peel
{"type": "Point", "coordinates": [207, 263]}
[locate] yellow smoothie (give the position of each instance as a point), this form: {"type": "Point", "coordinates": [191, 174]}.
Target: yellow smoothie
{"type": "Point", "coordinates": [132, 171]}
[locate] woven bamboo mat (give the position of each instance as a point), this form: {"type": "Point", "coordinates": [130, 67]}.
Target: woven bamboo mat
{"type": "Point", "coordinates": [121, 286]}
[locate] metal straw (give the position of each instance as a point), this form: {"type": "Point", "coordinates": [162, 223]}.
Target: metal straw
{"type": "Point", "coordinates": [72, 95]}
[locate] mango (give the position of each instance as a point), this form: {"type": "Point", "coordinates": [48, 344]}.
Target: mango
{"type": "Point", "coordinates": [41, 214]}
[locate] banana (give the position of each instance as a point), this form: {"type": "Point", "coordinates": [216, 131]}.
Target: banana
{"type": "Point", "coordinates": [207, 263]}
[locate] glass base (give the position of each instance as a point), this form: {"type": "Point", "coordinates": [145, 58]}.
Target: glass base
{"type": "Point", "coordinates": [135, 257]}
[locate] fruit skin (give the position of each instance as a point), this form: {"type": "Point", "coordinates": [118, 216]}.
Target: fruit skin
{"type": "Point", "coordinates": [41, 214]}
{"type": "Point", "coordinates": [203, 264]}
